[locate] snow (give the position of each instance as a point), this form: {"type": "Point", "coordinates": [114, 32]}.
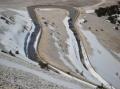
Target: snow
{"type": "Point", "coordinates": [36, 40]}
{"type": "Point", "coordinates": [73, 77]}
{"type": "Point", "coordinates": [41, 74]}
{"type": "Point", "coordinates": [45, 9]}
{"type": "Point", "coordinates": [31, 26]}
{"type": "Point", "coordinates": [88, 11]}
{"type": "Point", "coordinates": [82, 21]}
{"type": "Point", "coordinates": [73, 59]}
{"type": "Point", "coordinates": [73, 53]}
{"type": "Point", "coordinates": [102, 61]}
{"type": "Point", "coordinates": [26, 59]}
{"type": "Point", "coordinates": [61, 54]}
{"type": "Point", "coordinates": [14, 34]}
{"type": "Point", "coordinates": [23, 13]}
{"type": "Point", "coordinates": [13, 37]}
{"type": "Point", "coordinates": [117, 54]}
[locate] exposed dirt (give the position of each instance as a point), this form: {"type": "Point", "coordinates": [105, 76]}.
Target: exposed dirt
{"type": "Point", "coordinates": [24, 3]}
{"type": "Point", "coordinates": [104, 31]}
{"type": "Point", "coordinates": [53, 34]}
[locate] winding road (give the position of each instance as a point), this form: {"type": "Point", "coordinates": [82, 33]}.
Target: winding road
{"type": "Point", "coordinates": [34, 55]}
{"type": "Point", "coordinates": [74, 14]}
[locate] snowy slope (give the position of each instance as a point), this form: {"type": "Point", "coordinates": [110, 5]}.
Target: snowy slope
{"type": "Point", "coordinates": [15, 35]}
{"type": "Point", "coordinates": [102, 61]}
{"type": "Point", "coordinates": [73, 54]}
{"type": "Point", "coordinates": [36, 71]}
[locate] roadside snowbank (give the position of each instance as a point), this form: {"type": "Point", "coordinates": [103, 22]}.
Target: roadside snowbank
{"type": "Point", "coordinates": [73, 50]}
{"type": "Point", "coordinates": [36, 40]}
{"type": "Point", "coordinates": [73, 54]}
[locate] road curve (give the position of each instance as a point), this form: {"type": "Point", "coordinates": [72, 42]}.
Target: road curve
{"type": "Point", "coordinates": [86, 61]}
{"type": "Point", "coordinates": [32, 54]}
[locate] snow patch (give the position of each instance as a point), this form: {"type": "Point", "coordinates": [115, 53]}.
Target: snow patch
{"type": "Point", "coordinates": [89, 11]}
{"type": "Point", "coordinates": [13, 34]}
{"type": "Point", "coordinates": [73, 55]}
{"type": "Point", "coordinates": [73, 50]}
{"type": "Point", "coordinates": [61, 54]}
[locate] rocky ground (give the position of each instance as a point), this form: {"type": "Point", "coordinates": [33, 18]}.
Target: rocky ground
{"type": "Point", "coordinates": [11, 78]}
{"type": "Point", "coordinates": [17, 73]}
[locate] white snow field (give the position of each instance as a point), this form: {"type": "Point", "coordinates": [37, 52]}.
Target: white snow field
{"type": "Point", "coordinates": [104, 63]}
{"type": "Point", "coordinates": [15, 31]}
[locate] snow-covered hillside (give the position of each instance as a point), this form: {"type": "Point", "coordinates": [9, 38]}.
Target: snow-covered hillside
{"type": "Point", "coordinates": [19, 73]}
{"type": "Point", "coordinates": [73, 54]}
{"type": "Point", "coordinates": [104, 63]}
{"type": "Point", "coordinates": [15, 29]}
